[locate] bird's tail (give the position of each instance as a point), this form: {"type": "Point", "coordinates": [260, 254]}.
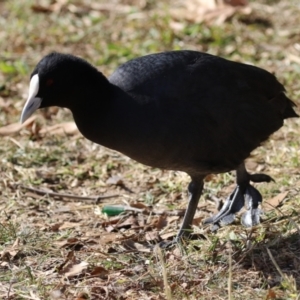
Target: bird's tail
{"type": "Point", "coordinates": [285, 106]}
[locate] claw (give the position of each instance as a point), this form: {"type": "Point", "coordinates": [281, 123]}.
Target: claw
{"type": "Point", "coordinates": [232, 205]}
{"type": "Point", "coordinates": [252, 197]}
{"type": "Point", "coordinates": [244, 193]}
{"type": "Point", "coordinates": [252, 200]}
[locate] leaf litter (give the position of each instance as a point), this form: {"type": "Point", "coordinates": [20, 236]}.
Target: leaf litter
{"type": "Point", "coordinates": [51, 248]}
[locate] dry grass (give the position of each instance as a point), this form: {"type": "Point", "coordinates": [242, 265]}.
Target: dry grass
{"type": "Point", "coordinates": [53, 248]}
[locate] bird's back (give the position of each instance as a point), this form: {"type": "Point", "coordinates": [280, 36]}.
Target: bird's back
{"type": "Point", "coordinates": [207, 113]}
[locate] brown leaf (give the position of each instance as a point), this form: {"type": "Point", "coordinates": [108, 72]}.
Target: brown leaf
{"type": "Point", "coordinates": [274, 202]}
{"type": "Point", "coordinates": [129, 222]}
{"type": "Point", "coordinates": [105, 238]}
{"type": "Point", "coordinates": [82, 296]}
{"type": "Point", "coordinates": [70, 243]}
{"type": "Point", "coordinates": [177, 252]}
{"type": "Point", "coordinates": [55, 227]}
{"type": "Point", "coordinates": [5, 104]}
{"type": "Point", "coordinates": [236, 2]}
{"type": "Point", "coordinates": [41, 9]}
{"type": "Point", "coordinates": [161, 222]}
{"type": "Point", "coordinates": [16, 243]}
{"type": "Point", "coordinates": [139, 205]}
{"type": "Point", "coordinates": [99, 272]}
{"type": "Point", "coordinates": [198, 221]}
{"type": "Point", "coordinates": [210, 177]}
{"type": "Point", "coordinates": [16, 127]}
{"type": "Point", "coordinates": [67, 128]}
{"type": "Point", "coordinates": [55, 6]}
{"type": "Point", "coordinates": [151, 236]}
{"type": "Point", "coordinates": [131, 245]}
{"type": "Point", "coordinates": [9, 253]}
{"type": "Point", "coordinates": [271, 295]}
{"type": "Point", "coordinates": [168, 235]}
{"type": "Point", "coordinates": [172, 219]}
{"type": "Point", "coordinates": [141, 220]}
{"type": "Point", "coordinates": [251, 165]}
{"type": "Point", "coordinates": [74, 269]}
{"type": "Point", "coordinates": [71, 256]}
{"type": "Point", "coordinates": [210, 11]}
{"type": "Point", "coordinates": [67, 225]}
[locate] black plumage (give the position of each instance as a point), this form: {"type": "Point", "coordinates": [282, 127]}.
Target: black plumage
{"type": "Point", "coordinates": [178, 110]}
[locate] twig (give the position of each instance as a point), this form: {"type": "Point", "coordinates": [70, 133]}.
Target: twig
{"type": "Point", "coordinates": [275, 263]}
{"type": "Point", "coordinates": [97, 199]}
{"type": "Point", "coordinates": [168, 292]}
{"type": "Point", "coordinates": [230, 276]}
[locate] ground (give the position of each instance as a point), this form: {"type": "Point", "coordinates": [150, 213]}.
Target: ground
{"type": "Point", "coordinates": [54, 247]}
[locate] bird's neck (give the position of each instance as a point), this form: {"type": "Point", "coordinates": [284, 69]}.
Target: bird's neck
{"type": "Point", "coordinates": [107, 111]}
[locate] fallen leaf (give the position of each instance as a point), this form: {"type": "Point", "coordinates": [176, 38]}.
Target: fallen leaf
{"type": "Point", "coordinates": [67, 225]}
{"type": "Point", "coordinates": [251, 165]}
{"type": "Point", "coordinates": [184, 285]}
{"type": "Point", "coordinates": [131, 245]}
{"type": "Point", "coordinates": [5, 104]}
{"type": "Point", "coordinates": [41, 9]}
{"type": "Point", "coordinates": [72, 243]}
{"type": "Point", "coordinates": [104, 238]}
{"type": "Point", "coordinates": [169, 235]}
{"type": "Point", "coordinates": [99, 272]}
{"type": "Point", "coordinates": [16, 127]}
{"type": "Point", "coordinates": [8, 255]}
{"type": "Point", "coordinates": [198, 221]}
{"type": "Point", "coordinates": [56, 294]}
{"type": "Point", "coordinates": [209, 177]}
{"type": "Point", "coordinates": [16, 243]}
{"type": "Point", "coordinates": [10, 252]}
{"type": "Point", "coordinates": [161, 222]}
{"type": "Point", "coordinates": [274, 202]}
{"type": "Point", "coordinates": [129, 222]}
{"type": "Point", "coordinates": [55, 6]}
{"type": "Point", "coordinates": [141, 220]}
{"type": "Point", "coordinates": [82, 296]}
{"type": "Point", "coordinates": [271, 295]}
{"type": "Point", "coordinates": [67, 128]}
{"type": "Point", "coordinates": [115, 180]}
{"type": "Point", "coordinates": [210, 11]}
{"type": "Point", "coordinates": [236, 2]}
{"type": "Point", "coordinates": [71, 269]}
{"type": "Point", "coordinates": [151, 236]}
{"type": "Point", "coordinates": [33, 296]}
{"type": "Point", "coordinates": [55, 227]}
{"type": "Point", "coordinates": [139, 205]}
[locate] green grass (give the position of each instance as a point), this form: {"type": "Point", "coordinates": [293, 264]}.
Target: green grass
{"type": "Point", "coordinates": [42, 238]}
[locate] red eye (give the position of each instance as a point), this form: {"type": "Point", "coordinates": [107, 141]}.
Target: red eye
{"type": "Point", "coordinates": [49, 82]}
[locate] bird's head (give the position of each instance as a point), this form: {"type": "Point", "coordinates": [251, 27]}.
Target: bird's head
{"type": "Point", "coordinates": [57, 80]}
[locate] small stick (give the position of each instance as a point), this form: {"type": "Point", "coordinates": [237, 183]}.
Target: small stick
{"type": "Point", "coordinates": [275, 263]}
{"type": "Point", "coordinates": [69, 196]}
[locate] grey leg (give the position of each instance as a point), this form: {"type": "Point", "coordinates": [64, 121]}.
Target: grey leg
{"type": "Point", "coordinates": [195, 189]}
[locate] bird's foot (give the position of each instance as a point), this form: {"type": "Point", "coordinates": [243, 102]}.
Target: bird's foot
{"type": "Point", "coordinates": [250, 197]}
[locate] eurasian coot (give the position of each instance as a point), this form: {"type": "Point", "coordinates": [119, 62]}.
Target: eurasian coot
{"type": "Point", "coordinates": [177, 110]}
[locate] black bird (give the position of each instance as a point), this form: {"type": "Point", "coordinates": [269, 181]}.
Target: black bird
{"type": "Point", "coordinates": [177, 110]}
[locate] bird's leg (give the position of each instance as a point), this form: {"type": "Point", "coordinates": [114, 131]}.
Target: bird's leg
{"type": "Point", "coordinates": [244, 193]}
{"type": "Point", "coordinates": [195, 189]}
